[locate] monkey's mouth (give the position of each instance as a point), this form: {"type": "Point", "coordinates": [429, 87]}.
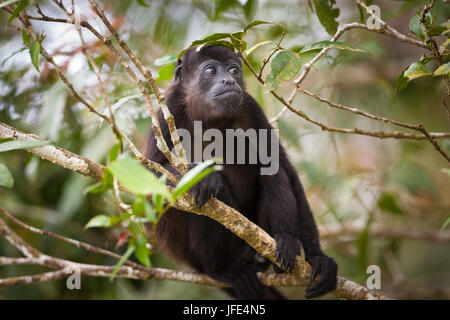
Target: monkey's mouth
{"type": "Point", "coordinates": [227, 93]}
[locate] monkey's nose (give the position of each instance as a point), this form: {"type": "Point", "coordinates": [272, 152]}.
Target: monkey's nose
{"type": "Point", "coordinates": [228, 81]}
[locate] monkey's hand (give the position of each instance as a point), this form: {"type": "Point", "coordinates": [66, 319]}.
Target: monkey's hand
{"type": "Point", "coordinates": [288, 247]}
{"type": "Point", "coordinates": [327, 268]}
{"type": "Point", "coordinates": [207, 188]}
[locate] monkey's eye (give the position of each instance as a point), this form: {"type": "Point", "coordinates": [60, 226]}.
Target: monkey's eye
{"type": "Point", "coordinates": [210, 70]}
{"type": "Point", "coordinates": [234, 70]}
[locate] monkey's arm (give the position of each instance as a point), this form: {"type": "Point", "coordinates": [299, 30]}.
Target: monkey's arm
{"type": "Point", "coordinates": [277, 214]}
{"type": "Point", "coordinates": [319, 261]}
{"type": "Point", "coordinates": [291, 192]}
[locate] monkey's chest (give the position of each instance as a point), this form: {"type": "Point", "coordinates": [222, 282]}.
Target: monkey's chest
{"type": "Point", "coordinates": [244, 184]}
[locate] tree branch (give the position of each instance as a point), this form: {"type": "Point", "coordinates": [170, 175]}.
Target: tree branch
{"type": "Point", "coordinates": [215, 209]}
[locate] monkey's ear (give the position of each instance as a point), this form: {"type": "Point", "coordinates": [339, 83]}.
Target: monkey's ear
{"type": "Point", "coordinates": [177, 72]}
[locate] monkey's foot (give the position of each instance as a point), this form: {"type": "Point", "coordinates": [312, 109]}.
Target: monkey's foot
{"type": "Point", "coordinates": [288, 248]}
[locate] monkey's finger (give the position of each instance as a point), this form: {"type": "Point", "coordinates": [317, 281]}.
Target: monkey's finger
{"type": "Point", "coordinates": [289, 256]}
{"type": "Point", "coordinates": [277, 256]}
{"type": "Point", "coordinates": [315, 292]}
{"type": "Point", "coordinates": [282, 263]}
{"type": "Point", "coordinates": [327, 281]}
{"type": "Point", "coordinates": [285, 258]}
{"type": "Point", "coordinates": [315, 272]}
{"type": "Point", "coordinates": [319, 287]}
{"type": "Point", "coordinates": [291, 264]}
{"type": "Point", "coordinates": [202, 197]}
{"type": "Point", "coordinates": [279, 249]}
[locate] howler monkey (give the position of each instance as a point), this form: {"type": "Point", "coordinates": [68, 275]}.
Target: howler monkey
{"type": "Point", "coordinates": [208, 87]}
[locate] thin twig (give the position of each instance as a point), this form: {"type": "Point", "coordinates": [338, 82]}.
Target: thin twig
{"type": "Point", "coordinates": [267, 59]}
{"type": "Point", "coordinates": [434, 143]}
{"type": "Point", "coordinates": [377, 134]}
{"type": "Point", "coordinates": [182, 164]}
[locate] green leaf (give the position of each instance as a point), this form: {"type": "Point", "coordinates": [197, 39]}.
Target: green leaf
{"type": "Point", "coordinates": [101, 220]}
{"type": "Point", "coordinates": [284, 66]}
{"type": "Point", "coordinates": [259, 22]}
{"type": "Point", "coordinates": [446, 43]}
{"type": "Point", "coordinates": [167, 59]}
{"type": "Point", "coordinates": [416, 27]}
{"type": "Point", "coordinates": [137, 179]}
{"type": "Point", "coordinates": [223, 43]}
{"type": "Point", "coordinates": [158, 203]}
{"type": "Point", "coordinates": [35, 50]}
{"type": "Point", "coordinates": [141, 207]}
{"type": "Point", "coordinates": [6, 178]}
{"type": "Point", "coordinates": [216, 38]}
{"type": "Point", "coordinates": [213, 37]}
{"type": "Point", "coordinates": [22, 144]}
{"type": "Point", "coordinates": [127, 254]}
{"type": "Point", "coordinates": [133, 228]}
{"type": "Point", "coordinates": [388, 203]}
{"type": "Point", "coordinates": [331, 45]}
{"type": "Point", "coordinates": [25, 38]}
{"type": "Point", "coordinates": [236, 39]}
{"type": "Point", "coordinates": [401, 83]}
{"type": "Point", "coordinates": [19, 8]}
{"type": "Point", "coordinates": [417, 70]}
{"type": "Point", "coordinates": [115, 151]}
{"type": "Point", "coordinates": [95, 188]}
{"type": "Point", "coordinates": [7, 3]}
{"type": "Point", "coordinates": [118, 219]}
{"type": "Point", "coordinates": [193, 176]}
{"type": "Point", "coordinates": [256, 46]}
{"type": "Point", "coordinates": [436, 30]}
{"type": "Point", "coordinates": [442, 70]}
{"type": "Point", "coordinates": [13, 54]}
{"type": "Point", "coordinates": [327, 14]}
{"type": "Point", "coordinates": [141, 251]}
{"type": "Point", "coordinates": [104, 185]}
{"type": "Point", "coordinates": [446, 223]}
{"type": "Point", "coordinates": [165, 73]}
{"type": "Point", "coordinates": [142, 3]}
{"type": "Point", "coordinates": [362, 244]}
{"type": "Point", "coordinates": [124, 100]}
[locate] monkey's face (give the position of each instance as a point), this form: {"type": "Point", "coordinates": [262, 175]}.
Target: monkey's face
{"type": "Point", "coordinates": [215, 86]}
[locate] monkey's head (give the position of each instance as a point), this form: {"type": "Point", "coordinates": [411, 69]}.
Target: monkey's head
{"type": "Point", "coordinates": [211, 77]}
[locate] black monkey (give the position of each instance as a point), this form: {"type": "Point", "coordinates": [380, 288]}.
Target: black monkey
{"type": "Point", "coordinates": [208, 86]}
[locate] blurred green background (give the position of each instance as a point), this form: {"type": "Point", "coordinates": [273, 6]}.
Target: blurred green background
{"type": "Point", "coordinates": [348, 178]}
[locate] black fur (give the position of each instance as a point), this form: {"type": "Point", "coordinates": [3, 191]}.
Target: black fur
{"type": "Point", "coordinates": [277, 203]}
